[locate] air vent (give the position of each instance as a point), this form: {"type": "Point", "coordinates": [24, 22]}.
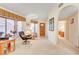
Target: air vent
{"type": "Point", "coordinates": [60, 5]}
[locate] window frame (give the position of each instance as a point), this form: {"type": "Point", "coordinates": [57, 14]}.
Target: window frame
{"type": "Point", "coordinates": [6, 23]}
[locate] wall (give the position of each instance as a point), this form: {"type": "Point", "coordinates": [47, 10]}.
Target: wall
{"type": "Point", "coordinates": [73, 29]}
{"type": "Point", "coordinates": [52, 35]}
{"type": "Point", "coordinates": [74, 38]}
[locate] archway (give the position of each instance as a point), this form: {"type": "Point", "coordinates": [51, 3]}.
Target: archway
{"type": "Point", "coordinates": [68, 24]}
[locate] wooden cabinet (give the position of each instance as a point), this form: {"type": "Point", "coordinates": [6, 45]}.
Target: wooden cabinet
{"type": "Point", "coordinates": [1, 49]}
{"type": "Point", "coordinates": [7, 46]}
{"type": "Point", "coordinates": [61, 33]}
{"type": "Point", "coordinates": [12, 46]}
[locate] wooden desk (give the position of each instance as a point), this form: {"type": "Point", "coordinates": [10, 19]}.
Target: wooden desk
{"type": "Point", "coordinates": [7, 46]}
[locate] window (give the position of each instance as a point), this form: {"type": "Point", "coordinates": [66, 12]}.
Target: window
{"type": "Point", "coordinates": [34, 27]}
{"type": "Point", "coordinates": [2, 26]}
{"type": "Point", "coordinates": [10, 25]}
{"type": "Point", "coordinates": [19, 26]}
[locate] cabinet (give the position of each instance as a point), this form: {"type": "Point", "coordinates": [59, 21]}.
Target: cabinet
{"type": "Point", "coordinates": [7, 46]}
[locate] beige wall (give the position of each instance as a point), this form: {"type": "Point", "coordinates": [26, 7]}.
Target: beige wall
{"type": "Point", "coordinates": [73, 38]}
{"type": "Point", "coordinates": [72, 29]}
{"type": "Point", "coordinates": [52, 35]}
{"type": "Point", "coordinates": [55, 13]}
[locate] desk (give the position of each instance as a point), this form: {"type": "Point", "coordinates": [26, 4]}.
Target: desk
{"type": "Point", "coordinates": [7, 46]}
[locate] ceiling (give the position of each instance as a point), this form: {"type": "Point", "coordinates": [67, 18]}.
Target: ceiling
{"type": "Point", "coordinates": [68, 11]}
{"type": "Point", "coordinates": [33, 10]}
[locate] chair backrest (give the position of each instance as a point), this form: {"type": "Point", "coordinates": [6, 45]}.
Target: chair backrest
{"type": "Point", "coordinates": [21, 33]}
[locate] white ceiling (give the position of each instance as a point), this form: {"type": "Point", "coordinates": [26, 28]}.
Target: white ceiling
{"type": "Point", "coordinates": [68, 11]}
{"type": "Point", "coordinates": [30, 9]}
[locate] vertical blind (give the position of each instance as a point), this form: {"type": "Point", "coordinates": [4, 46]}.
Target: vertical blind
{"type": "Point", "coordinates": [9, 21]}
{"type": "Point", "coordinates": [2, 26]}
{"type": "Point", "coordinates": [10, 25]}
{"type": "Point", "coordinates": [20, 26]}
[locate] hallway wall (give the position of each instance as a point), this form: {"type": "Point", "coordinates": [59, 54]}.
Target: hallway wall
{"type": "Point", "coordinates": [73, 29]}
{"type": "Point", "coordinates": [52, 35]}
{"type": "Point", "coordinates": [75, 38]}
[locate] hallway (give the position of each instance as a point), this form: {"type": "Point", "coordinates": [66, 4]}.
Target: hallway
{"type": "Point", "coordinates": [43, 47]}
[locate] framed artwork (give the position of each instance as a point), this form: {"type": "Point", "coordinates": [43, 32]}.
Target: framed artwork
{"type": "Point", "coordinates": [72, 20]}
{"type": "Point", "coordinates": [51, 24]}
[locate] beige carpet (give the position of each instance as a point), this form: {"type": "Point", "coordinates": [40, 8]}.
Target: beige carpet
{"type": "Point", "coordinates": [42, 47]}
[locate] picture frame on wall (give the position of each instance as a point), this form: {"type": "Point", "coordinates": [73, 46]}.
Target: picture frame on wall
{"type": "Point", "coordinates": [72, 20]}
{"type": "Point", "coordinates": [51, 24]}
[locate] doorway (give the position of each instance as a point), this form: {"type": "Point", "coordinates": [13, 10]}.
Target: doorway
{"type": "Point", "coordinates": [42, 29]}
{"type": "Point", "coordinates": [68, 31]}
{"type": "Point", "coordinates": [61, 29]}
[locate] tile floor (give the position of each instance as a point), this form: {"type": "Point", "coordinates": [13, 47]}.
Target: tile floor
{"type": "Point", "coordinates": [43, 47]}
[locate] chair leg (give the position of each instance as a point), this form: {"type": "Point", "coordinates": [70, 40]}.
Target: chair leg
{"type": "Point", "coordinates": [25, 42]}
